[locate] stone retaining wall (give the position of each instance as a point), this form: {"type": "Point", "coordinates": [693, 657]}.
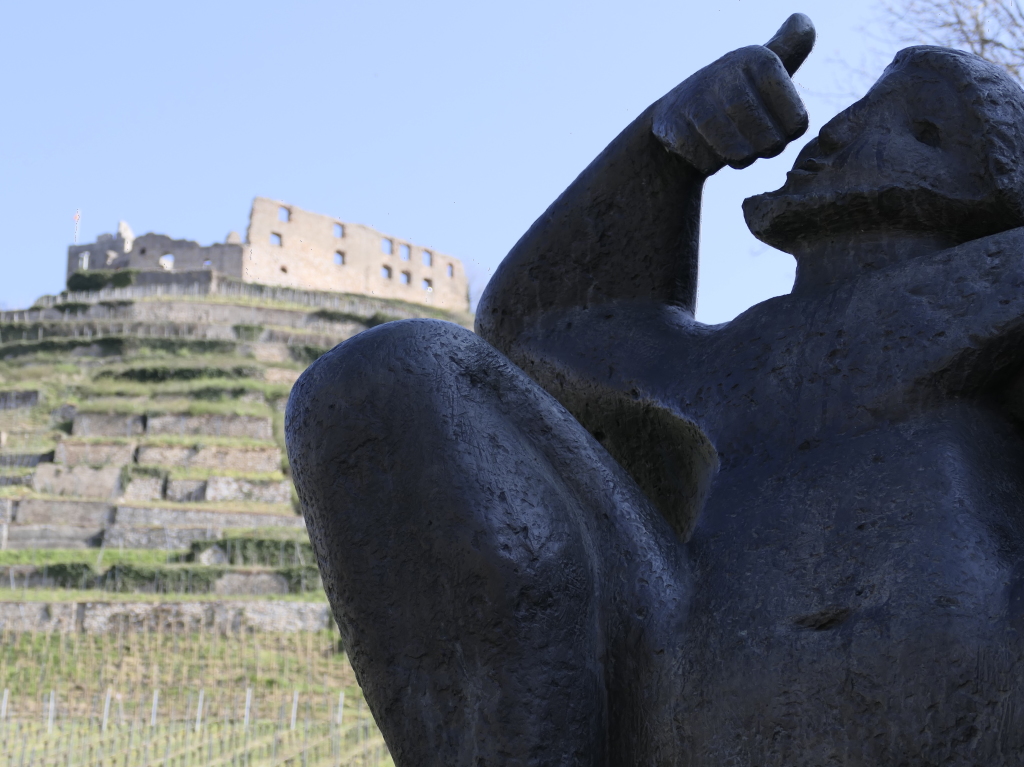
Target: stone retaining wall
{"type": "Point", "coordinates": [10, 400]}
{"type": "Point", "coordinates": [185, 490]}
{"type": "Point", "coordinates": [247, 426]}
{"type": "Point", "coordinates": [81, 481]}
{"type": "Point", "coordinates": [158, 537]}
{"type": "Point", "coordinates": [196, 284]}
{"type": "Point", "coordinates": [145, 489]}
{"type": "Point", "coordinates": [240, 583]}
{"type": "Point", "coordinates": [33, 511]}
{"type": "Point", "coordinates": [50, 536]}
{"type": "Point", "coordinates": [250, 584]}
{"type": "Point", "coordinates": [93, 454]}
{"type": "Point", "coordinates": [232, 489]}
{"type": "Point", "coordinates": [74, 334]}
{"type": "Point", "coordinates": [24, 460]}
{"type": "Point", "coordinates": [120, 425]}
{"type": "Point", "coordinates": [40, 523]}
{"type": "Point", "coordinates": [136, 516]}
{"type": "Point", "coordinates": [251, 459]}
{"type": "Point", "coordinates": [223, 616]}
{"type": "Point", "coordinates": [227, 489]}
{"type": "Point", "coordinates": [107, 425]}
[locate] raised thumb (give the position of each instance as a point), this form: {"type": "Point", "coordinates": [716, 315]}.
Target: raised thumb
{"type": "Point", "coordinates": [793, 42]}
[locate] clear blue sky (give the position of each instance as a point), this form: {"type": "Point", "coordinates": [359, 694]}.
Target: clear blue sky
{"type": "Point", "coordinates": [452, 124]}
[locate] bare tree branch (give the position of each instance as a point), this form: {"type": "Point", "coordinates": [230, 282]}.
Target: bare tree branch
{"type": "Point", "coordinates": [991, 29]}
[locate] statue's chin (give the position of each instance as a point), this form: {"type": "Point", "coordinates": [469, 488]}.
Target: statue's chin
{"type": "Point", "coordinates": [780, 219]}
{"type": "Point", "coordinates": [783, 218]}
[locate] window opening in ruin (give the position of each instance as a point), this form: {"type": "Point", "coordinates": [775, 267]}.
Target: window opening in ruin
{"type": "Point", "coordinates": [207, 263]}
{"type": "Point", "coordinates": [403, 251]}
{"type": "Point", "coordinates": [406, 278]}
{"type": "Point", "coordinates": [428, 286]}
{"type": "Point", "coordinates": [339, 230]}
{"type": "Point", "coordinates": [385, 272]}
{"type": "Point", "coordinates": [283, 214]}
{"type": "Point", "coordinates": [83, 260]}
{"type": "Point", "coordinates": [451, 270]}
{"type": "Point", "coordinates": [339, 258]}
{"type": "Point", "coordinates": [428, 258]}
{"type": "Point", "coordinates": [166, 261]}
{"type": "Point", "coordinates": [284, 269]}
{"type": "Point", "coordinates": [387, 246]}
{"type": "Point", "coordinates": [275, 238]}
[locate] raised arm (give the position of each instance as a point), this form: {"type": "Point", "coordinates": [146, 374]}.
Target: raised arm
{"type": "Point", "coordinates": [627, 228]}
{"type": "Point", "coordinates": [595, 302]}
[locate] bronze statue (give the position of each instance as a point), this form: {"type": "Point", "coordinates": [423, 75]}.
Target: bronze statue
{"type": "Point", "coordinates": [601, 533]}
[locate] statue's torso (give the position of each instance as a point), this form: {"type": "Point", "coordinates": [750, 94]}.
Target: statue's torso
{"type": "Point", "coordinates": [857, 587]}
{"type": "Point", "coordinates": [862, 596]}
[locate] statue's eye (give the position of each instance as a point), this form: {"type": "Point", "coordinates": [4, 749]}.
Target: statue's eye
{"type": "Point", "coordinates": [926, 132]}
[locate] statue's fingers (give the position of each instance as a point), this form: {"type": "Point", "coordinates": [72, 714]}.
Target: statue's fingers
{"type": "Point", "coordinates": [680, 137]}
{"type": "Point", "coordinates": [748, 112]}
{"type": "Point", "coordinates": [780, 98]}
{"type": "Point", "coordinates": [724, 138]}
{"type": "Point", "coordinates": [700, 154]}
{"type": "Point", "coordinates": [793, 42]}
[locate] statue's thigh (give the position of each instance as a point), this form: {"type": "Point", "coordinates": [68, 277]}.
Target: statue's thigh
{"type": "Point", "coordinates": [463, 523]}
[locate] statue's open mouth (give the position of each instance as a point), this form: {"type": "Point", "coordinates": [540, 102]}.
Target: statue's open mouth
{"type": "Point", "coordinates": [782, 217]}
{"type": "Point", "coordinates": [799, 173]}
{"type": "Point", "coordinates": [810, 165]}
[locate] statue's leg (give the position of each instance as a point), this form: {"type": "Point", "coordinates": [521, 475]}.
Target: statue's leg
{"type": "Point", "coordinates": [506, 594]}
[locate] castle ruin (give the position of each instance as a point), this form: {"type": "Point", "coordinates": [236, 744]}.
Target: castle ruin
{"type": "Point", "coordinates": [289, 247]}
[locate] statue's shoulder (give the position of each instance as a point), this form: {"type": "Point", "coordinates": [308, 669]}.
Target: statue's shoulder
{"type": "Point", "coordinates": [985, 274]}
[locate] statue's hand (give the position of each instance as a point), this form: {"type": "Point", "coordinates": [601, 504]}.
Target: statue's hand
{"type": "Point", "coordinates": [742, 107]}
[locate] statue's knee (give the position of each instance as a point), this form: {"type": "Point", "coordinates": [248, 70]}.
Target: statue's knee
{"type": "Point", "coordinates": [398, 444]}
{"type": "Point", "coordinates": [395, 368]}
{"type": "Point", "coordinates": [380, 359]}
{"type": "Point", "coordinates": [376, 408]}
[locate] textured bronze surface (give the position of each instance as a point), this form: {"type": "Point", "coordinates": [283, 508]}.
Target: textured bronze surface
{"type": "Point", "coordinates": [601, 533]}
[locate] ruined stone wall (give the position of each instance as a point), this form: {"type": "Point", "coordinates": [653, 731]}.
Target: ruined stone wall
{"type": "Point", "coordinates": [288, 247]}
{"type": "Point", "coordinates": [156, 252]}
{"type": "Point", "coordinates": [291, 247]}
{"type": "Point", "coordinates": [108, 252]}
{"type": "Point", "coordinates": [188, 255]}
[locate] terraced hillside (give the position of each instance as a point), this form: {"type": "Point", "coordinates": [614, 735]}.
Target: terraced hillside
{"type": "Point", "coordinates": [141, 445]}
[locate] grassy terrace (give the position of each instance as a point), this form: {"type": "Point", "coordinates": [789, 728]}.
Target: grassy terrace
{"type": "Point", "coordinates": [21, 492]}
{"type": "Point", "coordinates": [171, 440]}
{"type": "Point", "coordinates": [97, 386]}
{"type": "Point", "coordinates": [139, 406]}
{"type": "Point", "coordinates": [247, 507]}
{"type": "Point", "coordinates": [200, 473]}
{"type": "Point", "coordinates": [254, 547]}
{"type": "Point", "coordinates": [397, 307]}
{"type": "Point", "coordinates": [15, 471]}
{"type": "Point", "coordinates": [99, 595]}
{"type": "Point", "coordinates": [77, 699]}
{"type": "Point", "coordinates": [203, 389]}
{"type": "Point", "coordinates": [45, 557]}
{"type": "Point", "coordinates": [290, 561]}
{"type": "Point", "coordinates": [183, 699]}
{"type": "Point", "coordinates": [311, 662]}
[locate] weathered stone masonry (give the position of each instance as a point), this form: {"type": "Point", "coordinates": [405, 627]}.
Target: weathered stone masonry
{"type": "Point", "coordinates": [289, 247]}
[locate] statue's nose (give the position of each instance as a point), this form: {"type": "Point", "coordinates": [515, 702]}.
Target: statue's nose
{"type": "Point", "coordinates": [810, 164]}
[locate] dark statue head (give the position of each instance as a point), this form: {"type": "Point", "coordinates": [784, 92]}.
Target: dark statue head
{"type": "Point", "coordinates": [932, 156]}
